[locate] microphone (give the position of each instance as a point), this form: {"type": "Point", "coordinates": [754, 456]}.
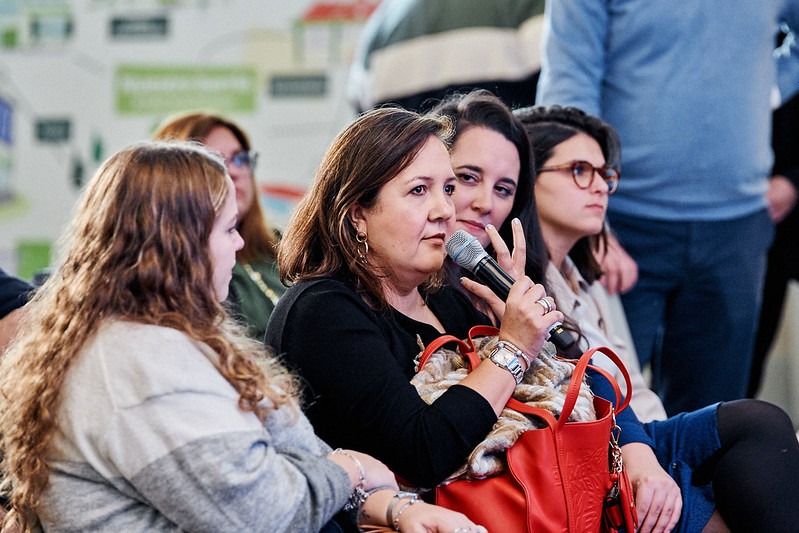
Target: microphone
{"type": "Point", "coordinates": [467, 253]}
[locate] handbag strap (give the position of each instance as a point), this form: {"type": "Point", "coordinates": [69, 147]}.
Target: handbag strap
{"type": "Point", "coordinates": [575, 383]}
{"type": "Point", "coordinates": [577, 378]}
{"type": "Point", "coordinates": [438, 343]}
{"type": "Point", "coordinates": [621, 402]}
{"type": "Point", "coordinates": [468, 351]}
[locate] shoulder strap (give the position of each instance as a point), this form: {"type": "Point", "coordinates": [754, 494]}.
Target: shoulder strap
{"type": "Point", "coordinates": [621, 403]}
{"type": "Point", "coordinates": [438, 343]}
{"type": "Point", "coordinates": [467, 350]}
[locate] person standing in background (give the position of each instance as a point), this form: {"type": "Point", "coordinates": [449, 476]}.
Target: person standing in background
{"type": "Point", "coordinates": [783, 256]}
{"type": "Point", "coordinates": [255, 287]}
{"type": "Point", "coordinates": [689, 92]}
{"type": "Point", "coordinates": [415, 52]}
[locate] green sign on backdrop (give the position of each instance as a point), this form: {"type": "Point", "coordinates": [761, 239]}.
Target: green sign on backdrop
{"type": "Point", "coordinates": [163, 89]}
{"type": "Point", "coordinates": [32, 257]}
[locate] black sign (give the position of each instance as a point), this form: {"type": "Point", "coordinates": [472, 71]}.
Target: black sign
{"type": "Point", "coordinates": [313, 85]}
{"type": "Point", "coordinates": [53, 130]}
{"type": "Point", "coordinates": [139, 27]}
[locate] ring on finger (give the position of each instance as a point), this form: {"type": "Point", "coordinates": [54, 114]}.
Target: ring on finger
{"type": "Point", "coordinates": [544, 302]}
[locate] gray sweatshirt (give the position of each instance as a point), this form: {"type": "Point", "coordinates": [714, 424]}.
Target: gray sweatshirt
{"type": "Point", "coordinates": [150, 438]}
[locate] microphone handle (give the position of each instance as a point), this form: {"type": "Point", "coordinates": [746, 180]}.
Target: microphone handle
{"type": "Point", "coordinates": [491, 274]}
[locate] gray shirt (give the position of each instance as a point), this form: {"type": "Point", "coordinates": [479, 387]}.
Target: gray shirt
{"type": "Point", "coordinates": [150, 438]}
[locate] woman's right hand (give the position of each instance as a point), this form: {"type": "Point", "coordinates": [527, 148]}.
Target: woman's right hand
{"type": "Point", "coordinates": [527, 322]}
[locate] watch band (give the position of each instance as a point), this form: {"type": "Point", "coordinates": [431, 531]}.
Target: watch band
{"type": "Point", "coordinates": [507, 359]}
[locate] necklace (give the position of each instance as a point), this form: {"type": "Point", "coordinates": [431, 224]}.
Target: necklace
{"type": "Point", "coordinates": [259, 281]}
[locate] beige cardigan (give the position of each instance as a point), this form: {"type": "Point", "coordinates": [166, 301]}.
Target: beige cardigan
{"type": "Point", "coordinates": [589, 306]}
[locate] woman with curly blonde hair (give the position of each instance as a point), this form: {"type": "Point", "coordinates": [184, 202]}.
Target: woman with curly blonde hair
{"type": "Point", "coordinates": [131, 401]}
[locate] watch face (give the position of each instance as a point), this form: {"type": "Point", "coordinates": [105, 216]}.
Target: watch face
{"type": "Point", "coordinates": [503, 356]}
{"type": "Point", "coordinates": [506, 359]}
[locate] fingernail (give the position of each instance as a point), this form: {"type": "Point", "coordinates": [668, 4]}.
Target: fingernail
{"type": "Point", "coordinates": [516, 221]}
{"type": "Point", "coordinates": [490, 226]}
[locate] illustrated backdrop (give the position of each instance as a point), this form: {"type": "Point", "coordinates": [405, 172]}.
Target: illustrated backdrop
{"type": "Point", "coordinates": [80, 79]}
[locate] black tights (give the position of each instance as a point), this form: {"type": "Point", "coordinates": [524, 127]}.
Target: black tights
{"type": "Point", "coordinates": [756, 473]}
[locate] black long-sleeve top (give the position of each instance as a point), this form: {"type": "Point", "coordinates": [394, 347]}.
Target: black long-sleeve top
{"type": "Point", "coordinates": [357, 364]}
{"type": "Point", "coordinates": [14, 293]}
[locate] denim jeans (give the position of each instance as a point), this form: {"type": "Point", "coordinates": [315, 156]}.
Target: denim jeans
{"type": "Point", "coordinates": [694, 310]}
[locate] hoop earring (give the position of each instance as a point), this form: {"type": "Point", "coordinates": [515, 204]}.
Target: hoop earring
{"type": "Point", "coordinates": [362, 247]}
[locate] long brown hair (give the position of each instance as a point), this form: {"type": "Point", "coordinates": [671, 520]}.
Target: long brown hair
{"type": "Point", "coordinates": [137, 249]}
{"type": "Point", "coordinates": [260, 239]}
{"type": "Point", "coordinates": [320, 237]}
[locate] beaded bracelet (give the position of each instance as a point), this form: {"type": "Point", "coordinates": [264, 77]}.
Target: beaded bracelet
{"type": "Point", "coordinates": [358, 495]}
{"type": "Point", "coordinates": [395, 500]}
{"type": "Point", "coordinates": [401, 510]}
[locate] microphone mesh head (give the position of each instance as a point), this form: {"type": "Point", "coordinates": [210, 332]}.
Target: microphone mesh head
{"type": "Point", "coordinates": [464, 249]}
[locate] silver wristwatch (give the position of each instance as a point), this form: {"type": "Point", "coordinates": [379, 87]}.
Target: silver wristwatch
{"type": "Point", "coordinates": [505, 358]}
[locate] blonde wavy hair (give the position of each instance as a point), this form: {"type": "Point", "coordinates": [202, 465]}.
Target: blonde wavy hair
{"type": "Point", "coordinates": [137, 249]}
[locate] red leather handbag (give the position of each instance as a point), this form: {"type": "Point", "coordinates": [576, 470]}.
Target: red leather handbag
{"type": "Point", "coordinates": [566, 476]}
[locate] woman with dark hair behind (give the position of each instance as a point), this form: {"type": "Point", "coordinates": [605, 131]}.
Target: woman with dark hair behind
{"type": "Point", "coordinates": [492, 159]}
{"type": "Point", "coordinates": [481, 109]}
{"type": "Point", "coordinates": [729, 459]}
{"type": "Point", "coordinates": [255, 286]}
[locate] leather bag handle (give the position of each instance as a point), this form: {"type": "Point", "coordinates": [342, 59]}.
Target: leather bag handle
{"type": "Point", "coordinates": [468, 351]}
{"type": "Point", "coordinates": [438, 343]}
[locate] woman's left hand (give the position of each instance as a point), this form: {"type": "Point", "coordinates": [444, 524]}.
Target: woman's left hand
{"type": "Point", "coordinates": [512, 263]}
{"type": "Point", "coordinates": [657, 496]}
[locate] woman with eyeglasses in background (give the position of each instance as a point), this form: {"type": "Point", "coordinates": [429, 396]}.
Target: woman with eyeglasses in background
{"type": "Point", "coordinates": [255, 287]}
{"type": "Point", "coordinates": [735, 462]}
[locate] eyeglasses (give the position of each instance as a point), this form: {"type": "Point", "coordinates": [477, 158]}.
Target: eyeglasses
{"type": "Point", "coordinates": [245, 158]}
{"type": "Point", "coordinates": [583, 174]}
